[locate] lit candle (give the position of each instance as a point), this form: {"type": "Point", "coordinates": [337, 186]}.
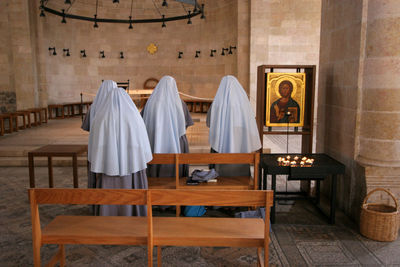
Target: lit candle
{"type": "Point", "coordinates": [302, 163]}
{"type": "Point", "coordinates": [304, 158]}
{"type": "Point", "coordinates": [296, 158]}
{"type": "Point", "coordinates": [288, 157]}
{"type": "Point", "coordinates": [293, 163]}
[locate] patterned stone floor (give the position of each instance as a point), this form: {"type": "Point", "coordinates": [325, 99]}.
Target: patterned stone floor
{"type": "Point", "coordinates": [301, 236]}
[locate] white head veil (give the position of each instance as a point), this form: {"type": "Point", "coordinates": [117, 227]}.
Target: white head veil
{"type": "Point", "coordinates": [105, 87]}
{"type": "Point", "coordinates": [164, 117]}
{"type": "Point", "coordinates": [118, 142]}
{"type": "Point", "coordinates": [233, 127]}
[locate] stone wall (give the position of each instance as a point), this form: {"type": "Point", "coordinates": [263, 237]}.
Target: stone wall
{"type": "Point", "coordinates": [7, 92]}
{"type": "Point", "coordinates": [21, 31]}
{"type": "Point", "coordinates": [7, 102]}
{"type": "Point", "coordinates": [283, 33]}
{"type": "Point", "coordinates": [243, 43]}
{"type": "Point", "coordinates": [64, 78]}
{"type": "Point", "coordinates": [340, 55]}
{"type": "Point", "coordinates": [292, 39]}
{"type": "Point", "coordinates": [358, 77]}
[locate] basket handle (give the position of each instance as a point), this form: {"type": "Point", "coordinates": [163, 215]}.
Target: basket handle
{"type": "Point", "coordinates": [384, 190]}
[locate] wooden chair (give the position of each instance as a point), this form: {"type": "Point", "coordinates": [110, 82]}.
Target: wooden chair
{"type": "Point", "coordinates": [124, 85]}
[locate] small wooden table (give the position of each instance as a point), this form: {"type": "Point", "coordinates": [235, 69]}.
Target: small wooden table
{"type": "Point", "coordinates": [50, 151]}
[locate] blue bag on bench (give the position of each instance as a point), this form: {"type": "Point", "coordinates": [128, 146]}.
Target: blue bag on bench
{"type": "Point", "coordinates": [194, 211]}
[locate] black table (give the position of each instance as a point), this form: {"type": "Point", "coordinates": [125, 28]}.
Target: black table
{"type": "Point", "coordinates": [322, 167]}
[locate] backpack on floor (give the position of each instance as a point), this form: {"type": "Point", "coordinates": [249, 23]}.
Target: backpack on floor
{"type": "Point", "coordinates": [194, 211]}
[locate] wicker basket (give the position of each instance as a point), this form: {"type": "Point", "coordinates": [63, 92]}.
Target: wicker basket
{"type": "Point", "coordinates": [379, 222]}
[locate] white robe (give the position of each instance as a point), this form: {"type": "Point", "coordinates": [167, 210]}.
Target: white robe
{"type": "Point", "coordinates": [119, 150]}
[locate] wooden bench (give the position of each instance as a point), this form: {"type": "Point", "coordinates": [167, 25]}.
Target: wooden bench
{"type": "Point", "coordinates": [228, 183]}
{"type": "Point", "coordinates": [22, 116]}
{"type": "Point", "coordinates": [150, 231]}
{"type": "Point", "coordinates": [56, 108]}
{"type": "Point", "coordinates": [234, 182]}
{"type": "Point", "coordinates": [27, 115]}
{"type": "Point", "coordinates": [60, 111]}
{"type": "Point", "coordinates": [1, 125]}
{"type": "Point", "coordinates": [38, 117]}
{"type": "Point", "coordinates": [15, 115]}
{"type": "Point", "coordinates": [203, 105]}
{"type": "Point", "coordinates": [6, 116]}
{"type": "Point", "coordinates": [85, 104]}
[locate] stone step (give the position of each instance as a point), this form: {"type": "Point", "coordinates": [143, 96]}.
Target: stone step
{"type": "Point", "coordinates": [40, 161]}
{"type": "Point", "coordinates": [13, 157]}
{"type": "Point", "coordinates": [16, 151]}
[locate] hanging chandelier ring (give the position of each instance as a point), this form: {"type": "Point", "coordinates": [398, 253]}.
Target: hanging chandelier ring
{"type": "Point", "coordinates": [164, 19]}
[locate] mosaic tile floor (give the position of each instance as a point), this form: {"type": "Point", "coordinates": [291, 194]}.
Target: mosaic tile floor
{"type": "Point", "coordinates": [301, 236]}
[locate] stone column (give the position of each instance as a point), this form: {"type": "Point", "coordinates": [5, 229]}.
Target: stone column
{"type": "Point", "coordinates": [379, 139]}
{"type": "Point", "coordinates": [243, 44]}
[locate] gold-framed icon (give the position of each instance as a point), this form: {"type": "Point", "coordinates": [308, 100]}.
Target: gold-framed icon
{"type": "Point", "coordinates": [285, 98]}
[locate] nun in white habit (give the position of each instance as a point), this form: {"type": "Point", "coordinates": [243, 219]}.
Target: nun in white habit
{"type": "Point", "coordinates": [101, 96]}
{"type": "Point", "coordinates": [119, 150]}
{"type": "Point", "coordinates": [105, 87]}
{"type": "Point", "coordinates": [166, 117]}
{"type": "Point", "coordinates": [232, 124]}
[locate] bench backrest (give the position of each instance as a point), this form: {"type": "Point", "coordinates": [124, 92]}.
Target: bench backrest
{"type": "Point", "coordinates": [146, 197]}
{"type": "Point", "coordinates": [208, 158]}
{"type": "Point", "coordinates": [88, 196]}
{"type": "Point", "coordinates": [238, 198]}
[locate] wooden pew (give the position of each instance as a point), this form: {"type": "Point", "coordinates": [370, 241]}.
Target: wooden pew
{"type": "Point", "coordinates": [207, 231]}
{"type": "Point", "coordinates": [153, 231]}
{"type": "Point", "coordinates": [111, 230]}
{"type": "Point", "coordinates": [61, 111]}
{"type": "Point", "coordinates": [235, 182]}
{"type": "Point", "coordinates": [229, 183]}
{"type": "Point", "coordinates": [204, 105]}
{"type": "Point", "coordinates": [27, 115]}
{"type": "Point", "coordinates": [55, 108]}
{"type": "Point", "coordinates": [1, 125]}
{"type": "Point", "coordinates": [6, 116]}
